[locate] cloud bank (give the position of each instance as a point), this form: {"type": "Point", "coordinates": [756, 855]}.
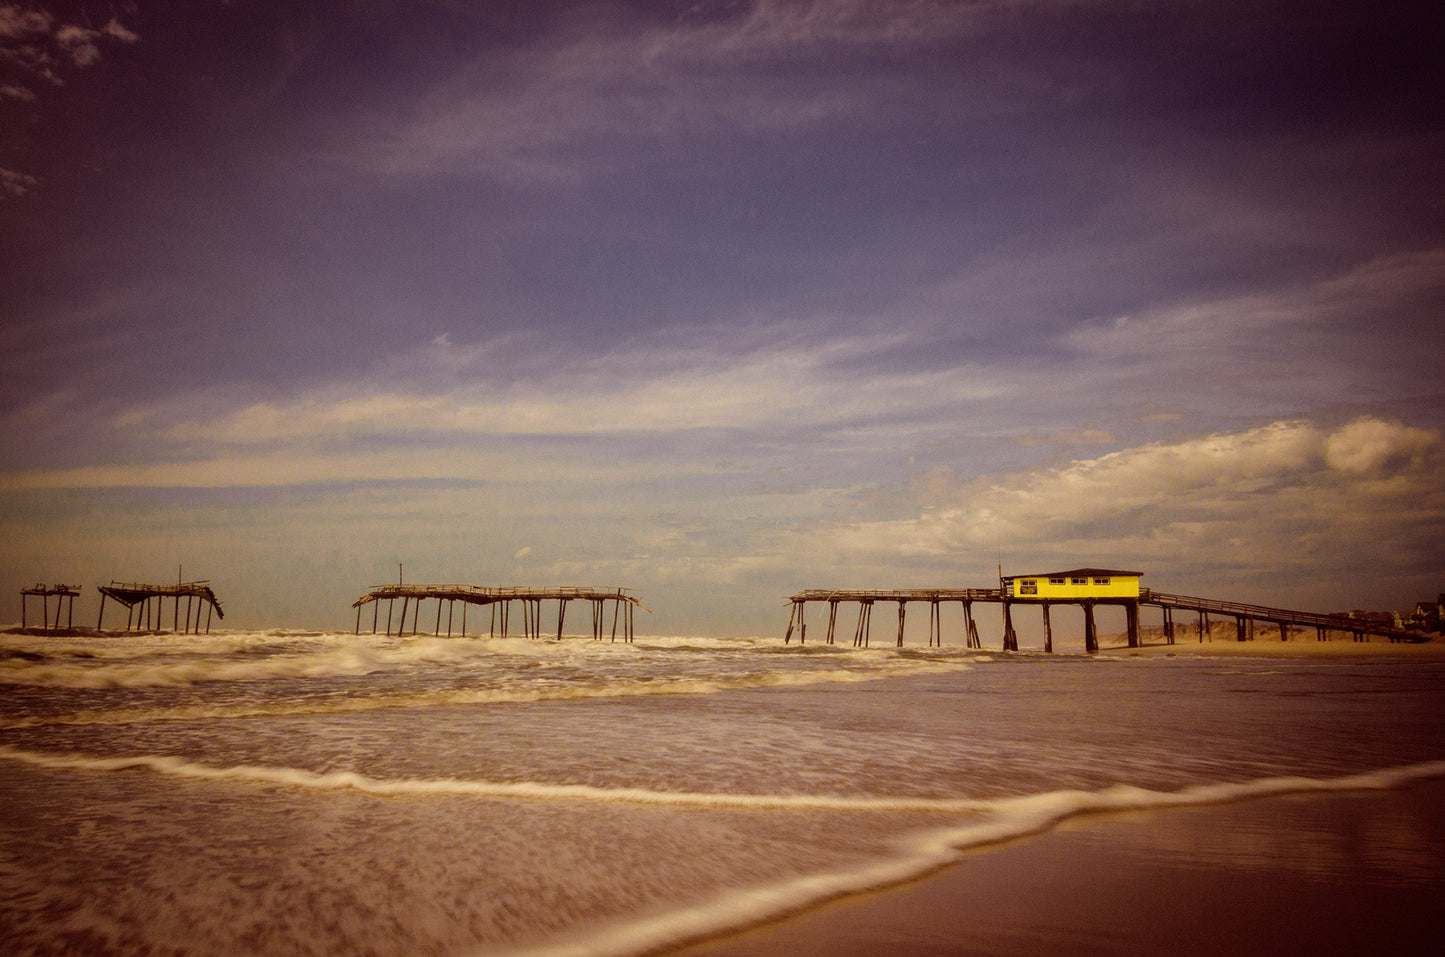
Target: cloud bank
{"type": "Point", "coordinates": [1265, 508]}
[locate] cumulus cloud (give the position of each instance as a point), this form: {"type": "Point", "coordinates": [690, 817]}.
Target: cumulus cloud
{"type": "Point", "coordinates": [18, 24]}
{"type": "Point", "coordinates": [1283, 496]}
{"type": "Point", "coordinates": [1373, 446]}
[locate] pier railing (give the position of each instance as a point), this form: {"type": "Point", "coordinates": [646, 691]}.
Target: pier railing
{"type": "Point", "coordinates": [1279, 616]}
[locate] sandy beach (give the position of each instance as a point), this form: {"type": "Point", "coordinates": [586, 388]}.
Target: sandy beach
{"type": "Point", "coordinates": [1352, 873]}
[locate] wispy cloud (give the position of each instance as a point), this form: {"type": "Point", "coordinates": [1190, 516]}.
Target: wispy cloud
{"type": "Point", "coordinates": [658, 390]}
{"type": "Point", "coordinates": [517, 113]}
{"type": "Point", "coordinates": [1390, 293]}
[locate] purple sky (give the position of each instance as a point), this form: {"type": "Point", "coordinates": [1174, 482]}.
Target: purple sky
{"type": "Point", "coordinates": [720, 300]}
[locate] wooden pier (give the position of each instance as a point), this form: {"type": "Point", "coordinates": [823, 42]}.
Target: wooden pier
{"type": "Point", "coordinates": [935, 597]}
{"type": "Point", "coordinates": [1245, 615]}
{"type": "Point", "coordinates": [1360, 629]}
{"type": "Point", "coordinates": [65, 596]}
{"type": "Point", "coordinates": [498, 601]}
{"type": "Point", "coordinates": [138, 599]}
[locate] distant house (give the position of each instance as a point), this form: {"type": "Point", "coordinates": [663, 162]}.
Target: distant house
{"type": "Point", "coordinates": [1426, 616]}
{"type": "Point", "coordinates": [1078, 584]}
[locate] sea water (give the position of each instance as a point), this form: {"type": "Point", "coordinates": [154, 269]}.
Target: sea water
{"type": "Point", "coordinates": [301, 793]}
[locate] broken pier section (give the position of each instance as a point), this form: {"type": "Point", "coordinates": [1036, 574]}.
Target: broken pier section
{"type": "Point", "coordinates": [65, 596]}
{"type": "Point", "coordinates": [138, 600]}
{"type": "Point", "coordinates": [498, 601]}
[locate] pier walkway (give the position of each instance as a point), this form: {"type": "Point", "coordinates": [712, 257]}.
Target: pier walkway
{"type": "Point", "coordinates": [499, 601]}
{"type": "Point", "coordinates": [1359, 628]}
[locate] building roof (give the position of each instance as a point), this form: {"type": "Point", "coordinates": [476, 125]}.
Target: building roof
{"type": "Point", "coordinates": [1083, 573]}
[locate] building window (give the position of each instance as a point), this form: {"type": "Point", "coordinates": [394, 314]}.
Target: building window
{"type": "Point", "coordinates": [1078, 581]}
{"type": "Point", "coordinates": [1101, 581]}
{"type": "Point", "coordinates": [1056, 581]}
{"type": "Point", "coordinates": [1029, 586]}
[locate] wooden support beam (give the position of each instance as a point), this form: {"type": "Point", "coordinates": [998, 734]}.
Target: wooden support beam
{"type": "Point", "coordinates": [973, 639]}
{"type": "Point", "coordinates": [1010, 637]}
{"type": "Point", "coordinates": [902, 606]}
{"type": "Point", "coordinates": [865, 624]}
{"type": "Point", "coordinates": [1048, 631]}
{"type": "Point", "coordinates": [1131, 612]}
{"type": "Point", "coordinates": [1239, 628]}
{"type": "Point", "coordinates": [1091, 634]}
{"type": "Point", "coordinates": [832, 619]}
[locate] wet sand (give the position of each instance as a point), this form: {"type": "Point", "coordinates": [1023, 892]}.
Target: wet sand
{"type": "Point", "coordinates": [1349, 873]}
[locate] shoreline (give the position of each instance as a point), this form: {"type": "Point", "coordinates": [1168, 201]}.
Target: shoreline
{"type": "Point", "coordinates": [1273, 647]}
{"type": "Point", "coordinates": [1339, 873]}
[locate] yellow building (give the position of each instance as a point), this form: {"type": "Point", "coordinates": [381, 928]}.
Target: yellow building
{"type": "Point", "coordinates": [1079, 584]}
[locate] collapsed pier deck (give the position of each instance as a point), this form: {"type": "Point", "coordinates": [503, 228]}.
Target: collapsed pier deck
{"type": "Point", "coordinates": [198, 595]}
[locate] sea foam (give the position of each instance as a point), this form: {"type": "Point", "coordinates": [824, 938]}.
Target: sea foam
{"type": "Point", "coordinates": [923, 853]}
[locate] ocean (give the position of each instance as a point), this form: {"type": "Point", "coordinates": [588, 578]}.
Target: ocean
{"type": "Point", "coordinates": [282, 792]}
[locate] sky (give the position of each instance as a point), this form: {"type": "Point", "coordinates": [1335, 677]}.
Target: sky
{"type": "Point", "coordinates": [718, 301]}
